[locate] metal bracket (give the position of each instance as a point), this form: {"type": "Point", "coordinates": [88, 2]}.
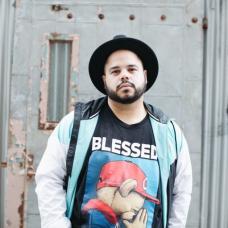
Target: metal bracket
{"type": "Point", "coordinates": [30, 169]}
{"type": "Point", "coordinates": [22, 164]}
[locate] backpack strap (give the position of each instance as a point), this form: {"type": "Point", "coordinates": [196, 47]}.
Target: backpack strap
{"type": "Point", "coordinates": [81, 111]}
{"type": "Point", "coordinates": [172, 176]}
{"type": "Point", "coordinates": [175, 136]}
{"type": "Point", "coordinates": [73, 141]}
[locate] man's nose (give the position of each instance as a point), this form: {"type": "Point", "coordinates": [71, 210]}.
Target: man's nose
{"type": "Point", "coordinates": [124, 74]}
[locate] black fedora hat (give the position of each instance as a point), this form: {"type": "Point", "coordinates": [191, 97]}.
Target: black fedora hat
{"type": "Point", "coordinates": [121, 42]}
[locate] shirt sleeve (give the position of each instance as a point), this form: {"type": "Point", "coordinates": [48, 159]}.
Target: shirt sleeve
{"type": "Point", "coordinates": [49, 183]}
{"type": "Point", "coordinates": [182, 189]}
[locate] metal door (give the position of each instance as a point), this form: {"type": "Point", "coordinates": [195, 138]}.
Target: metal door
{"type": "Point", "coordinates": [51, 38]}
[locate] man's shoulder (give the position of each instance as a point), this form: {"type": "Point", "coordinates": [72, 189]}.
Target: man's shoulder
{"type": "Point", "coordinates": [87, 109]}
{"type": "Point", "coordinates": [64, 128]}
{"type": "Point", "coordinates": [170, 124]}
{"type": "Point", "coordinates": [157, 114]}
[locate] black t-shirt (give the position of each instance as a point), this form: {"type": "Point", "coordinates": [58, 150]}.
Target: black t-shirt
{"type": "Point", "coordinates": [121, 177]}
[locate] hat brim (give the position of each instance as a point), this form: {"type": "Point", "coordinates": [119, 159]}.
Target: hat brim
{"type": "Point", "coordinates": [142, 50]}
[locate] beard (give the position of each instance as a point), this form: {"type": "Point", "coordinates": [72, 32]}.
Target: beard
{"type": "Point", "coordinates": [126, 99]}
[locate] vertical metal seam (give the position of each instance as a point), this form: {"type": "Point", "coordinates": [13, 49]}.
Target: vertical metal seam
{"type": "Point", "coordinates": [6, 43]}
{"type": "Point", "coordinates": [214, 141]}
{"type": "Point", "coordinates": [205, 122]}
{"type": "Point", "coordinates": [224, 122]}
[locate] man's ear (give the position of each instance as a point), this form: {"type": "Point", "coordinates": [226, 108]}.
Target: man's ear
{"type": "Point", "coordinates": [145, 75]}
{"type": "Point", "coordinates": [104, 80]}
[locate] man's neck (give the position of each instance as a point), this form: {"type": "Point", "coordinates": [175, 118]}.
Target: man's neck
{"type": "Point", "coordinates": [128, 113]}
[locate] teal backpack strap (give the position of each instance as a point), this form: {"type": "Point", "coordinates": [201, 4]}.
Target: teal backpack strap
{"type": "Point", "coordinates": [178, 134]}
{"type": "Point", "coordinates": [85, 134]}
{"type": "Point", "coordinates": [175, 136]}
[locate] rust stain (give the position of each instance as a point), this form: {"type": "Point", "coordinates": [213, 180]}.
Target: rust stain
{"type": "Point", "coordinates": [21, 210]}
{"type": "Point", "coordinates": [194, 20]}
{"type": "Point", "coordinates": [3, 164]}
{"type": "Point", "coordinates": [69, 15]}
{"type": "Point", "coordinates": [58, 7]}
{"type": "Point", "coordinates": [163, 17]}
{"type": "Point", "coordinates": [15, 175]}
{"type": "Point", "coordinates": [132, 17]}
{"type": "Point", "coordinates": [30, 173]}
{"type": "Point", "coordinates": [101, 16]}
{"type": "Point", "coordinates": [47, 126]}
{"type": "Point", "coordinates": [14, 194]}
{"type": "Point", "coordinates": [205, 23]}
{"type": "Point", "coordinates": [55, 35]}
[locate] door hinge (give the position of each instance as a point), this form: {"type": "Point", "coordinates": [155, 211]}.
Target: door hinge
{"type": "Point", "coordinates": [22, 164]}
{"type": "Point", "coordinates": [30, 168]}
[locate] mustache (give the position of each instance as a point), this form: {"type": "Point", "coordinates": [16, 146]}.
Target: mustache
{"type": "Point", "coordinates": [124, 82]}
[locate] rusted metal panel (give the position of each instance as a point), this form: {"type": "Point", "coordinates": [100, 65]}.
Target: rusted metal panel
{"type": "Point", "coordinates": [214, 200]}
{"type": "Point", "coordinates": [172, 28]}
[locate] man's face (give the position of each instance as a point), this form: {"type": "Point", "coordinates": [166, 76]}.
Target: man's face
{"type": "Point", "coordinates": [124, 77]}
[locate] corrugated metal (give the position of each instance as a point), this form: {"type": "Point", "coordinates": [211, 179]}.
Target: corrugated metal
{"type": "Point", "coordinates": [58, 91]}
{"type": "Point", "coordinates": [6, 37]}
{"type": "Point", "coordinates": [214, 200]}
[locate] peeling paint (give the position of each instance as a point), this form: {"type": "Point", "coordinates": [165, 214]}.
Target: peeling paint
{"type": "Point", "coordinates": [43, 101]}
{"type": "Point", "coordinates": [15, 175]}
{"type": "Point", "coordinates": [14, 198]}
{"type": "Point", "coordinates": [16, 152]}
{"type": "Point", "coordinates": [17, 131]}
{"type": "Point", "coordinates": [75, 53]}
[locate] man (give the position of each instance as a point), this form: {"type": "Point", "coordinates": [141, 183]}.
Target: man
{"type": "Point", "coordinates": [151, 182]}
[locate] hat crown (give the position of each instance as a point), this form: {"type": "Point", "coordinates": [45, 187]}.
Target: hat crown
{"type": "Point", "coordinates": [119, 37]}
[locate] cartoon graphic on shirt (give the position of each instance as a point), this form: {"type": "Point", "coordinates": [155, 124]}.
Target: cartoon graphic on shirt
{"type": "Point", "coordinates": [121, 192]}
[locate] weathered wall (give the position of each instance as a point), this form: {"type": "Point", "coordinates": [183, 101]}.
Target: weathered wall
{"type": "Point", "coordinates": [174, 29]}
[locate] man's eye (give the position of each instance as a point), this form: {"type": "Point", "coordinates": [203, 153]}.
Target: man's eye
{"type": "Point", "coordinates": [132, 69]}
{"type": "Point", "coordinates": [115, 72]}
